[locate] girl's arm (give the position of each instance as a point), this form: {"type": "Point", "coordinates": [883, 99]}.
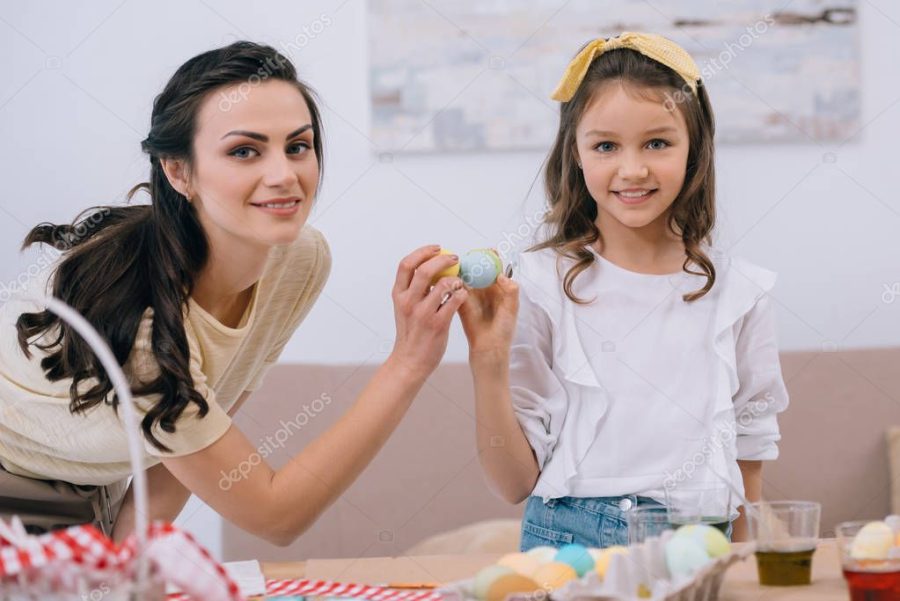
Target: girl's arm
{"type": "Point", "coordinates": [505, 454]}
{"type": "Point", "coordinates": [761, 396]}
{"type": "Point", "coordinates": [278, 505]}
{"type": "Point", "coordinates": [751, 472]}
{"type": "Point", "coordinates": [489, 320]}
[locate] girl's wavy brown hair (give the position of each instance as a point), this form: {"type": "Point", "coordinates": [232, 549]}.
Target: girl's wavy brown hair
{"type": "Point", "coordinates": [573, 212]}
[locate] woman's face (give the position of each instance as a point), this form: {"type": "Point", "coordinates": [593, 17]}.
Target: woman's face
{"type": "Point", "coordinates": [633, 152]}
{"type": "Point", "coordinates": [254, 172]}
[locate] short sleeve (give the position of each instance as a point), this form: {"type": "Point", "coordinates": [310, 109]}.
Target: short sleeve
{"type": "Point", "coordinates": [192, 432]}
{"type": "Point", "coordinates": [305, 301]}
{"type": "Point", "coordinates": [538, 396]}
{"type": "Point", "coordinates": [761, 393]}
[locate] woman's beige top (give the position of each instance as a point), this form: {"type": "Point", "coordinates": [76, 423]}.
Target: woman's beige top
{"type": "Point", "coordinates": [40, 438]}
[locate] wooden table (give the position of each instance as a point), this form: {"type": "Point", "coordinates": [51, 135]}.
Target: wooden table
{"type": "Point", "coordinates": [740, 581]}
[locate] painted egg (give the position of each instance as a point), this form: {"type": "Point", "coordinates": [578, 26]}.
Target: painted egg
{"type": "Point", "coordinates": [576, 556]}
{"type": "Point", "coordinates": [714, 542]}
{"type": "Point", "coordinates": [480, 268]}
{"type": "Point", "coordinates": [685, 555]}
{"type": "Point", "coordinates": [486, 578]}
{"type": "Point", "coordinates": [450, 272]}
{"type": "Point", "coordinates": [521, 563]}
{"type": "Point", "coordinates": [873, 541]}
{"type": "Point", "coordinates": [553, 575]}
{"type": "Point", "coordinates": [508, 584]}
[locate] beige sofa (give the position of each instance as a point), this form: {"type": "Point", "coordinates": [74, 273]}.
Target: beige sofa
{"type": "Point", "coordinates": [427, 479]}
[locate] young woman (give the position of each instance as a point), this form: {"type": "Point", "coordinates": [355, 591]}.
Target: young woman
{"type": "Point", "coordinates": [197, 293]}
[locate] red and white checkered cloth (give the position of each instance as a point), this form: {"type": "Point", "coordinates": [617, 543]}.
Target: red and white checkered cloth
{"type": "Point", "coordinates": [64, 556]}
{"type": "Point", "coordinates": [321, 588]}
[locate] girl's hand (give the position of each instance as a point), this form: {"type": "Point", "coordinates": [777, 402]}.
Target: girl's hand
{"type": "Point", "coordinates": [489, 317]}
{"type": "Point", "coordinates": [423, 313]}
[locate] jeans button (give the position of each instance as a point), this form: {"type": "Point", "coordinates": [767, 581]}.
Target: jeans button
{"type": "Point", "coordinates": [625, 504]}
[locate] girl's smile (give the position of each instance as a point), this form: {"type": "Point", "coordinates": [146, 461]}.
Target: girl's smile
{"type": "Point", "coordinates": [633, 152]}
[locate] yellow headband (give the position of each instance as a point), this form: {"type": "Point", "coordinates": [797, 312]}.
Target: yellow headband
{"type": "Point", "coordinates": [652, 46]}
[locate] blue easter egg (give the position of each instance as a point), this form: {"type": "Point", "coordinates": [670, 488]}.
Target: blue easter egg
{"type": "Point", "coordinates": [685, 555]}
{"type": "Point", "coordinates": [576, 556]}
{"type": "Point", "coordinates": [479, 268]}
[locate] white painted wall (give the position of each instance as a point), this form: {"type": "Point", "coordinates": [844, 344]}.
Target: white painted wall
{"type": "Point", "coordinates": [79, 79]}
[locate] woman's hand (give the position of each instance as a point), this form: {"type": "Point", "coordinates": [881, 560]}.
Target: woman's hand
{"type": "Point", "coordinates": [489, 317]}
{"type": "Point", "coordinates": [423, 313]}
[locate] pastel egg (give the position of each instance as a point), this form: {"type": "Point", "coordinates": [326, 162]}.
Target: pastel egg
{"type": "Point", "coordinates": [508, 584]}
{"type": "Point", "coordinates": [576, 556]}
{"type": "Point", "coordinates": [543, 554]}
{"type": "Point", "coordinates": [894, 522]}
{"type": "Point", "coordinates": [684, 555]}
{"type": "Point", "coordinates": [486, 578]}
{"type": "Point", "coordinates": [714, 542]}
{"type": "Point", "coordinates": [605, 556]}
{"type": "Point", "coordinates": [521, 563]}
{"type": "Point", "coordinates": [553, 575]}
{"type": "Point", "coordinates": [480, 268]}
{"type": "Point", "coordinates": [450, 272]}
{"type": "Point", "coordinates": [873, 541]}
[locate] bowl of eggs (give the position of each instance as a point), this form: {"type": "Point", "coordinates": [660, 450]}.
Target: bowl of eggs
{"type": "Point", "coordinates": [687, 564]}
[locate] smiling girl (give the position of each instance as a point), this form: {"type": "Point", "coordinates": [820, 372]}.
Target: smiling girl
{"type": "Point", "coordinates": [629, 353]}
{"type": "Point", "coordinates": [197, 293]}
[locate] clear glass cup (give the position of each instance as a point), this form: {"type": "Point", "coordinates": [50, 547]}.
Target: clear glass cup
{"type": "Point", "coordinates": [786, 535]}
{"type": "Point", "coordinates": [700, 503]}
{"type": "Point", "coordinates": [646, 521]}
{"type": "Point", "coordinates": [867, 579]}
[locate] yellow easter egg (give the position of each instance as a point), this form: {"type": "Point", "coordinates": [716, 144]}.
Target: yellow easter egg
{"type": "Point", "coordinates": [485, 578]}
{"type": "Point", "coordinates": [508, 584]}
{"type": "Point", "coordinates": [601, 562]}
{"type": "Point", "coordinates": [555, 574]}
{"type": "Point", "coordinates": [450, 272]}
{"type": "Point", "coordinates": [520, 562]}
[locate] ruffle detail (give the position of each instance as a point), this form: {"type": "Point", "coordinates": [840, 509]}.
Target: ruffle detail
{"type": "Point", "coordinates": [572, 363]}
{"type": "Point", "coordinates": [741, 284]}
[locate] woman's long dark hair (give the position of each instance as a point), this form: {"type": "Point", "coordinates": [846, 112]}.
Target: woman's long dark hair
{"type": "Point", "coordinates": [573, 212]}
{"type": "Point", "coordinates": [119, 261]}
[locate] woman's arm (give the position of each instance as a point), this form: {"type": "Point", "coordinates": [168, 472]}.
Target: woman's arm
{"type": "Point", "coordinates": [278, 505]}
{"type": "Point", "coordinates": [751, 471]}
{"type": "Point", "coordinates": [166, 496]}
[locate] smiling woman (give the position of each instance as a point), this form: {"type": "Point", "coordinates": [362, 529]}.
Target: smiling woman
{"type": "Point", "coordinates": [197, 293]}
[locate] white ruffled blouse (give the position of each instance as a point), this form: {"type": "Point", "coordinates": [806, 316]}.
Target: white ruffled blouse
{"type": "Point", "coordinates": [639, 390]}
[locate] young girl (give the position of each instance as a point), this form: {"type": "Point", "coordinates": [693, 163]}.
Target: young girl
{"type": "Point", "coordinates": [629, 357]}
{"type": "Point", "coordinates": [197, 294]}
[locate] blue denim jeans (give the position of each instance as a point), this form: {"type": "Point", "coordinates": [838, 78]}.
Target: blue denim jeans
{"type": "Point", "coordinates": [593, 522]}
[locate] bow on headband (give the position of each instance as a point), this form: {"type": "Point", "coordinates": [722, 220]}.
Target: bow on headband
{"type": "Point", "coordinates": [652, 46]}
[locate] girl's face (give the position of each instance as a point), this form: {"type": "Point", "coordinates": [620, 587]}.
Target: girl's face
{"type": "Point", "coordinates": [254, 172]}
{"type": "Point", "coordinates": [633, 152]}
